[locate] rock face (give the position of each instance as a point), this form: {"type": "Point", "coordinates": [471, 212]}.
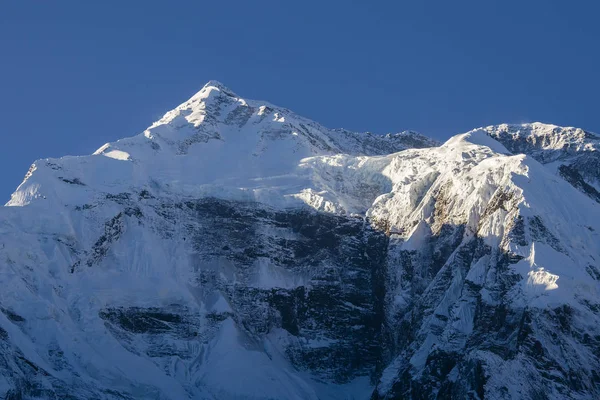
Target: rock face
{"type": "Point", "coordinates": [235, 250]}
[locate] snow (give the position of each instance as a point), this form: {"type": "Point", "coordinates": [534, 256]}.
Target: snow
{"type": "Point", "coordinates": [547, 136]}
{"type": "Point", "coordinates": [480, 137]}
{"type": "Point", "coordinates": [117, 155]}
{"type": "Point", "coordinates": [272, 276]}
{"type": "Point", "coordinates": [218, 144]}
{"type": "Point", "coordinates": [232, 368]}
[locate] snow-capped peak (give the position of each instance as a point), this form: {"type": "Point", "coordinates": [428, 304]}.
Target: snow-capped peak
{"type": "Point", "coordinates": [214, 137]}
{"type": "Point", "coordinates": [545, 136]}
{"type": "Point", "coordinates": [219, 86]}
{"type": "Point", "coordinates": [212, 88]}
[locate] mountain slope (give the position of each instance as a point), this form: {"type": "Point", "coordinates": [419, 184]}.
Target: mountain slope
{"type": "Point", "coordinates": [235, 250]}
{"type": "Point", "coordinates": [571, 153]}
{"type": "Point", "coordinates": [494, 288]}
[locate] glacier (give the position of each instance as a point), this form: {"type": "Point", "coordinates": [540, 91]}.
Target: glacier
{"type": "Point", "coordinates": [236, 250]}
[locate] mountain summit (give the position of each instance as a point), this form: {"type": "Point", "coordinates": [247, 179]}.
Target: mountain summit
{"type": "Point", "coordinates": [236, 250]}
{"type": "Point", "coordinates": [215, 140]}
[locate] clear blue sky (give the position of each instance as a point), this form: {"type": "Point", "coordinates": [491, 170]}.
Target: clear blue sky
{"type": "Point", "coordinates": [77, 74]}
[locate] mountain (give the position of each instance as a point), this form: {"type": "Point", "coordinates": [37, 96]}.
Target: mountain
{"type": "Point", "coordinates": [235, 250]}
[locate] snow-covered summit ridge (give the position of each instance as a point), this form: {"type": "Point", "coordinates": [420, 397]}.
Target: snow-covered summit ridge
{"type": "Point", "coordinates": [572, 153]}
{"type": "Point", "coordinates": [216, 105]}
{"type": "Point", "coordinates": [540, 136]}
{"type": "Point", "coordinates": [219, 144]}
{"type": "Point", "coordinates": [215, 139]}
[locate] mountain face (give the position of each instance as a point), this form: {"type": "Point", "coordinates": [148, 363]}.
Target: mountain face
{"type": "Point", "coordinates": [235, 250]}
{"type": "Point", "coordinates": [570, 152]}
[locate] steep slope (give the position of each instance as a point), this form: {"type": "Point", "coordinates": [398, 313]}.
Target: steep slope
{"type": "Point", "coordinates": [493, 286]}
{"type": "Point", "coordinates": [235, 250]}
